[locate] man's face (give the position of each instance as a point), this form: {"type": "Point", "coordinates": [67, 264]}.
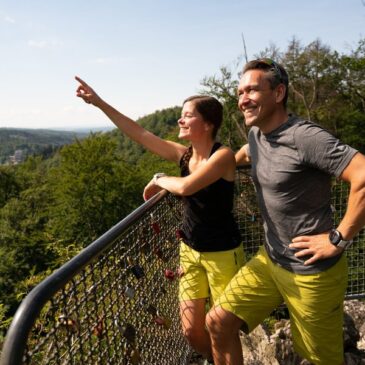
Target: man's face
{"type": "Point", "coordinates": [256, 100]}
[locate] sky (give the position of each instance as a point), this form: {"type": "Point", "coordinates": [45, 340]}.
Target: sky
{"type": "Point", "coordinates": [144, 55]}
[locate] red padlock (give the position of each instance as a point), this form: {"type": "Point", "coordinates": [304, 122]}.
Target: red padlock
{"type": "Point", "coordinates": [180, 234]}
{"type": "Point", "coordinates": [156, 227]}
{"type": "Point", "coordinates": [169, 274]}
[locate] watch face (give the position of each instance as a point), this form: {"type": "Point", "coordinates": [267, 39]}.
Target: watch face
{"type": "Point", "coordinates": [335, 236]}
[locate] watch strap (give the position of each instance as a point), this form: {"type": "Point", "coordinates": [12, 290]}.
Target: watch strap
{"type": "Point", "coordinates": [344, 244]}
{"type": "Point", "coordinates": [157, 176]}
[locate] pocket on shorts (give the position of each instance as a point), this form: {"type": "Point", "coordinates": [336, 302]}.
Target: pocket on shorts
{"type": "Point", "coordinates": [239, 256]}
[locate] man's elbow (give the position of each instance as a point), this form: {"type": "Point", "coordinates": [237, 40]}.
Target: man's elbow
{"type": "Point", "coordinates": [242, 157]}
{"type": "Point", "coordinates": [359, 189]}
{"type": "Point", "coordinates": [357, 184]}
{"type": "Point", "coordinates": [242, 160]}
{"type": "Point", "coordinates": [238, 161]}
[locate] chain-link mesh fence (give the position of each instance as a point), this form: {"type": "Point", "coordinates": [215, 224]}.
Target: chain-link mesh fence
{"type": "Point", "coordinates": [117, 301]}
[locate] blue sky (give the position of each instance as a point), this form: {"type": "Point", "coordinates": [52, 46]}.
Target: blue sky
{"type": "Point", "coordinates": [143, 55]}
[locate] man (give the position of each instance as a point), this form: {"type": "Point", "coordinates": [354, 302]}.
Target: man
{"type": "Point", "coordinates": [302, 262]}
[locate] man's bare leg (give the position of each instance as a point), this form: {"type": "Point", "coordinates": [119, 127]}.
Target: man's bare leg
{"type": "Point", "coordinates": [223, 327]}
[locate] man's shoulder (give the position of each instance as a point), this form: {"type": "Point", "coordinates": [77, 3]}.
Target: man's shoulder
{"type": "Point", "coordinates": [307, 129]}
{"type": "Point", "coordinates": [295, 127]}
{"type": "Point", "coordinates": [301, 123]}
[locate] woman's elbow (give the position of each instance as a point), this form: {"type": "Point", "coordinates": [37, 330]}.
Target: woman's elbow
{"type": "Point", "coordinates": [185, 190]}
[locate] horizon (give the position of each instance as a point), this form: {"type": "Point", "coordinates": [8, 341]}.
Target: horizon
{"type": "Point", "coordinates": [71, 129]}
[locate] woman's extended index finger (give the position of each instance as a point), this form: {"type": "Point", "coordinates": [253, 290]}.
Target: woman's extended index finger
{"type": "Point", "coordinates": [81, 81]}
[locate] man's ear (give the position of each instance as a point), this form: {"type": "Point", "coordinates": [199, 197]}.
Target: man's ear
{"type": "Point", "coordinates": [280, 93]}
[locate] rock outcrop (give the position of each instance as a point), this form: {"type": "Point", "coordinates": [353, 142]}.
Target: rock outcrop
{"type": "Point", "coordinates": [274, 347]}
{"type": "Point", "coordinates": [264, 348]}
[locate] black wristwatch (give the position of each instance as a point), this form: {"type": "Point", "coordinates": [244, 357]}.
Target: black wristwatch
{"type": "Point", "coordinates": [336, 239]}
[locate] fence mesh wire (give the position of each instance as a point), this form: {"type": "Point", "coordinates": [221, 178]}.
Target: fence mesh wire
{"type": "Point", "coordinates": [122, 308]}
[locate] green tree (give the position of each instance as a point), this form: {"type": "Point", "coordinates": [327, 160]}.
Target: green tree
{"type": "Point", "coordinates": [93, 189]}
{"type": "Point", "coordinates": [162, 123]}
{"type": "Point", "coordinates": [23, 237]}
{"type": "Point", "coordinates": [351, 121]}
{"type": "Point", "coordinates": [8, 185]}
{"type": "Point", "coordinates": [224, 87]}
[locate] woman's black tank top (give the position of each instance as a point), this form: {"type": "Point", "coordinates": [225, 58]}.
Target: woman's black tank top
{"type": "Point", "coordinates": [208, 223]}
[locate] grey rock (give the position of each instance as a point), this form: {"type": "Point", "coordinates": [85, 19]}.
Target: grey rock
{"type": "Point", "coordinates": [263, 348]}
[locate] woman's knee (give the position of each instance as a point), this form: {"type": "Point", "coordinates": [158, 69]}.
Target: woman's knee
{"type": "Point", "coordinates": [194, 334]}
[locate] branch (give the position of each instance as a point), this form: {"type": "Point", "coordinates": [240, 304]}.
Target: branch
{"type": "Point", "coordinates": [303, 99]}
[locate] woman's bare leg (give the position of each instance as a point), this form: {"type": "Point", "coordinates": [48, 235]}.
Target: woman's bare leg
{"type": "Point", "coordinates": [193, 314]}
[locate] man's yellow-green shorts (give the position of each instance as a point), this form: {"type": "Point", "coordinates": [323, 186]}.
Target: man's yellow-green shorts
{"type": "Point", "coordinates": [315, 304]}
{"type": "Point", "coordinates": [207, 273]}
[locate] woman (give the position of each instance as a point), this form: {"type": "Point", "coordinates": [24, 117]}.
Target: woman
{"type": "Point", "coordinates": [210, 252]}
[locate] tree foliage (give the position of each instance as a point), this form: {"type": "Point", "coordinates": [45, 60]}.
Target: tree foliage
{"type": "Point", "coordinates": [224, 88]}
{"type": "Point", "coordinates": [162, 123]}
{"type": "Point", "coordinates": [325, 87]}
{"type": "Point", "coordinates": [23, 238]}
{"type": "Point", "coordinates": [93, 188]}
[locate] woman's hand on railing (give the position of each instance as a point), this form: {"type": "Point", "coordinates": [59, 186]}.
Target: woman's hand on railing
{"type": "Point", "coordinates": [150, 190]}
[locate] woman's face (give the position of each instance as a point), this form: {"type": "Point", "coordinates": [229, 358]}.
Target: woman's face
{"type": "Point", "coordinates": [192, 125]}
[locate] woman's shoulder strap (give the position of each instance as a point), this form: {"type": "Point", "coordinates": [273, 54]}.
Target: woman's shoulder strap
{"type": "Point", "coordinates": [185, 158]}
{"type": "Point", "coordinates": [215, 147]}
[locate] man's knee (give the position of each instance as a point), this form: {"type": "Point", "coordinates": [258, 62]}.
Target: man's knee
{"type": "Point", "coordinates": [220, 322]}
{"type": "Point", "coordinates": [213, 322]}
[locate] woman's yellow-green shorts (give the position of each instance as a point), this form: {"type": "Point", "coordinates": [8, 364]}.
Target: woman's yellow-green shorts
{"type": "Point", "coordinates": [206, 274]}
{"type": "Point", "coordinates": [315, 304]}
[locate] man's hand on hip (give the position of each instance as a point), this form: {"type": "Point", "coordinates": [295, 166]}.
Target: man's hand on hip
{"type": "Point", "coordinates": [318, 246]}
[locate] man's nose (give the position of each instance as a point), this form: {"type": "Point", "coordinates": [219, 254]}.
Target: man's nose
{"type": "Point", "coordinates": [244, 99]}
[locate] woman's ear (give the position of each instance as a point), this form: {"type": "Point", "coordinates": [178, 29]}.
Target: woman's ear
{"type": "Point", "coordinates": [208, 126]}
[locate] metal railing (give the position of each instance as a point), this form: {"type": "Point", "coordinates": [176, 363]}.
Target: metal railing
{"type": "Point", "coordinates": [117, 301]}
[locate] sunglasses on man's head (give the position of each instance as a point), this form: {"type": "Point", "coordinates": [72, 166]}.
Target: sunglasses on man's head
{"type": "Point", "coordinates": [275, 67]}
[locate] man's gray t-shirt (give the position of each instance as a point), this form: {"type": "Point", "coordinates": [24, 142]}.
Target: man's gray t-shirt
{"type": "Point", "coordinates": [292, 168]}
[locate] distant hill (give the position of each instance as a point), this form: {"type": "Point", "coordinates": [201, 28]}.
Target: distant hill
{"type": "Point", "coordinates": [86, 129]}
{"type": "Point", "coordinates": [16, 144]}
{"type": "Point", "coordinates": [163, 123]}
